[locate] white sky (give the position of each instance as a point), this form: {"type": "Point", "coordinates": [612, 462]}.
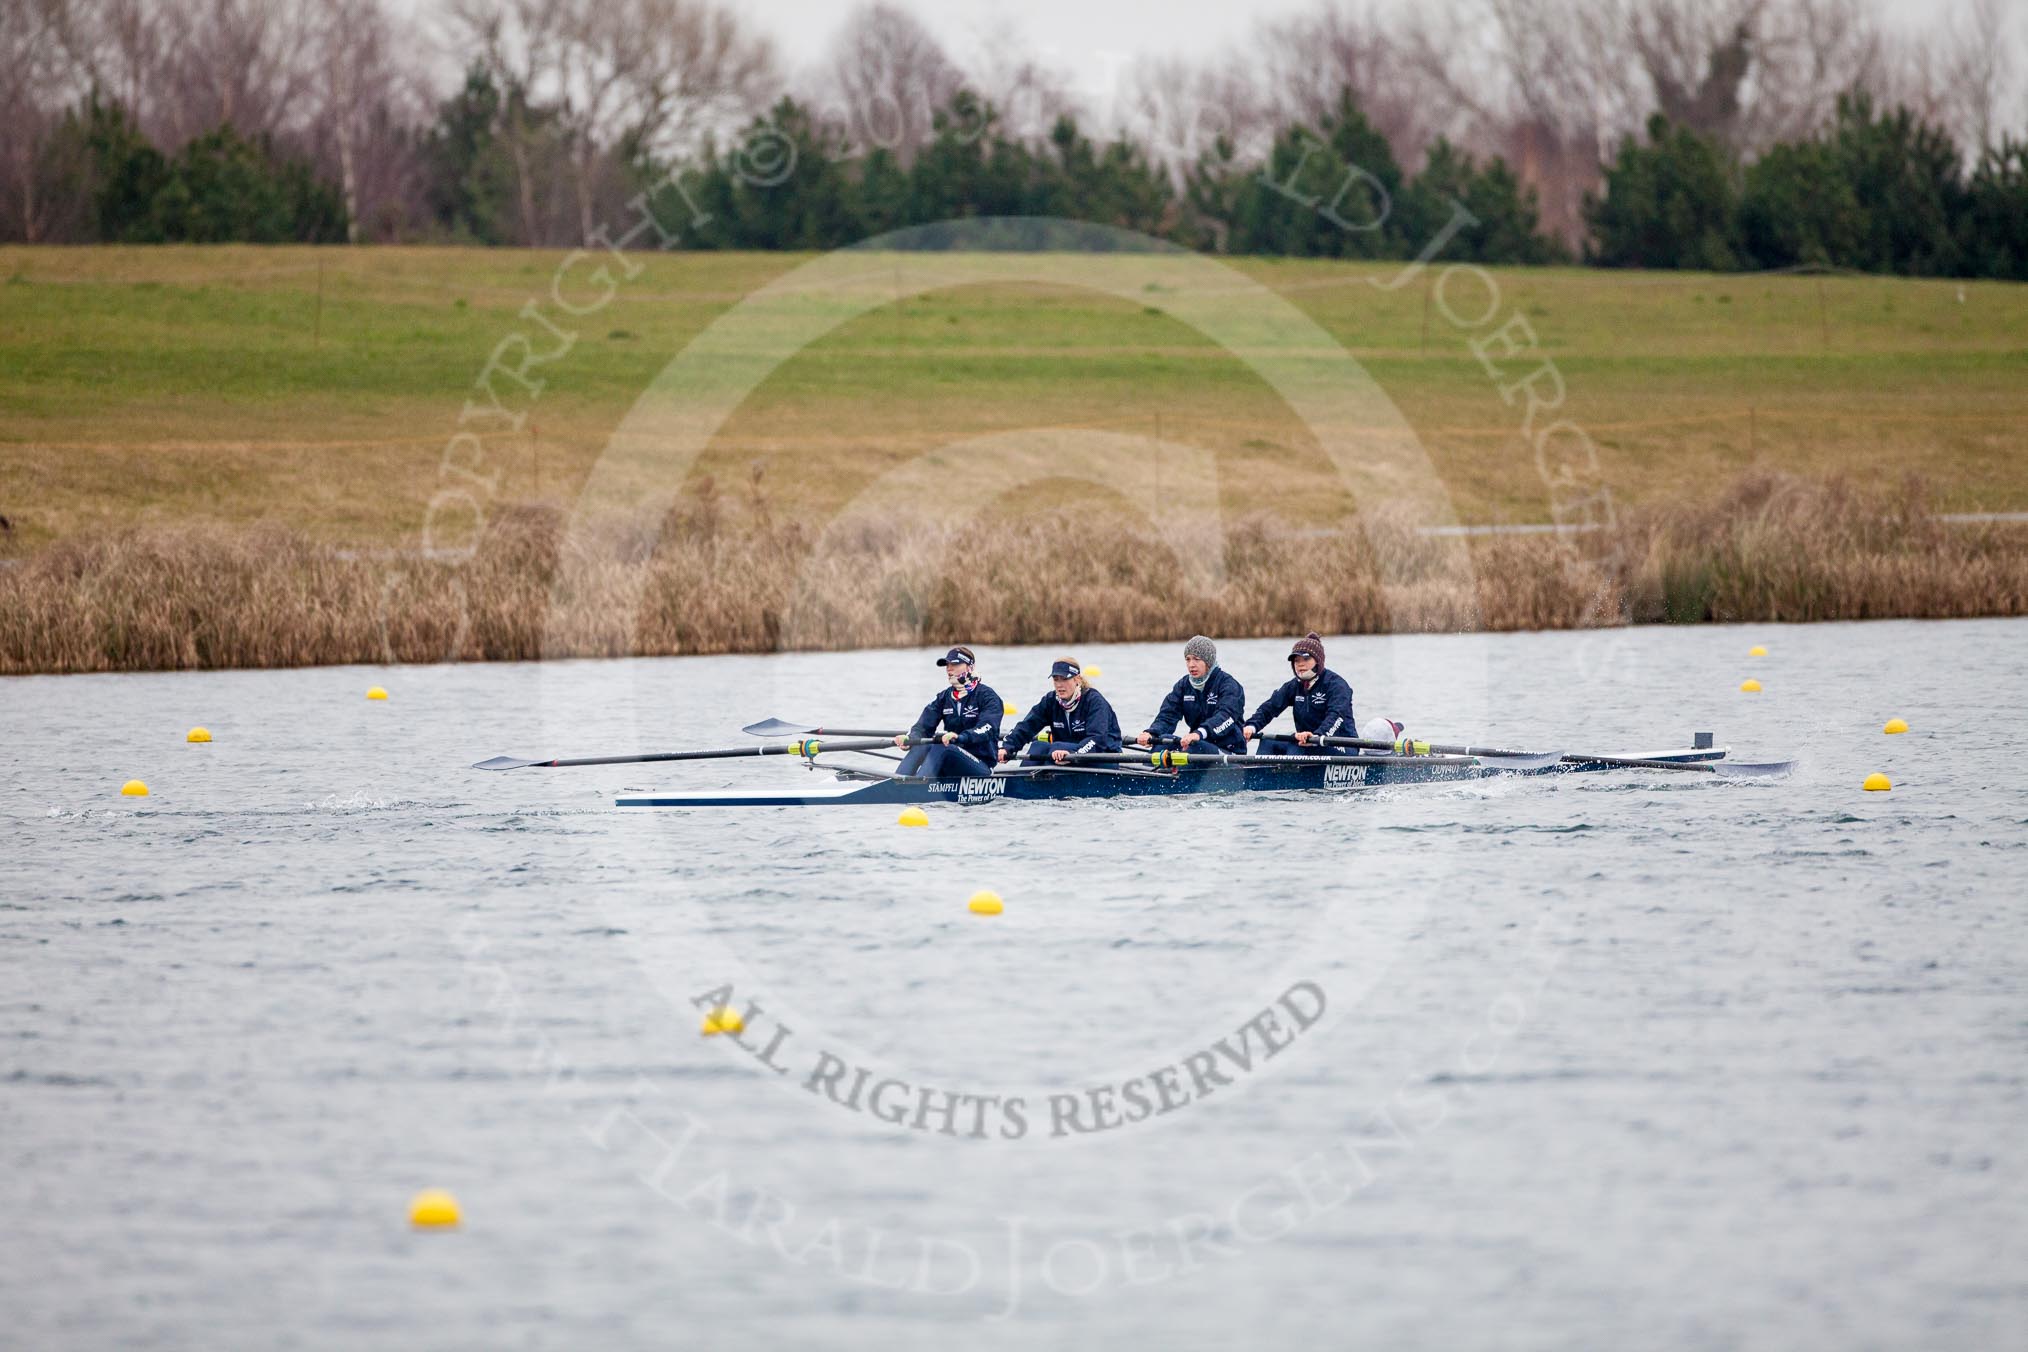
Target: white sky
{"type": "Point", "coordinates": [1091, 40]}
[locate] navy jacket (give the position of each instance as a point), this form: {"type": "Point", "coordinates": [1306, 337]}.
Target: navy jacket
{"type": "Point", "coordinates": [1214, 711]}
{"type": "Point", "coordinates": [1087, 725]}
{"type": "Point", "coordinates": [1325, 708]}
{"type": "Point", "coordinates": [974, 716]}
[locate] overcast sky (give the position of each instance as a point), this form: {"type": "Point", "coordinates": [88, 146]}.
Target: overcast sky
{"type": "Point", "coordinates": [1090, 40]}
{"type": "Point", "coordinates": [1083, 36]}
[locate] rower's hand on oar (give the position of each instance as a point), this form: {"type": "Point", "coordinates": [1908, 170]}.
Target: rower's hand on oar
{"type": "Point", "coordinates": [1303, 739]}
{"type": "Point", "coordinates": [1060, 756]}
{"type": "Point", "coordinates": [948, 738]}
{"type": "Point", "coordinates": [1184, 739]}
{"type": "Point", "coordinates": [901, 739]}
{"type": "Point", "coordinates": [1246, 733]}
{"type": "Point", "coordinates": [1003, 757]}
{"type": "Point", "coordinates": [1145, 739]}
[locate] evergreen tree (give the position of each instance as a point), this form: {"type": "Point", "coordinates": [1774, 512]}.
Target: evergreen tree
{"type": "Point", "coordinates": [1506, 228]}
{"type": "Point", "coordinates": [1798, 207]}
{"type": "Point", "coordinates": [1905, 176]}
{"type": "Point", "coordinates": [470, 181]}
{"type": "Point", "coordinates": [1668, 204]}
{"type": "Point", "coordinates": [1996, 216]}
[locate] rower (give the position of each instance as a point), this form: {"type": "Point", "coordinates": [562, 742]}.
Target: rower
{"type": "Point", "coordinates": [1320, 700]}
{"type": "Point", "coordinates": [1208, 702]}
{"type": "Point", "coordinates": [969, 714]}
{"type": "Point", "coordinates": [1075, 718]}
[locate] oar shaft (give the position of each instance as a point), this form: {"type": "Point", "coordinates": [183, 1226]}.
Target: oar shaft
{"type": "Point", "coordinates": [810, 746]}
{"type": "Point", "coordinates": [1409, 746]}
{"type": "Point", "coordinates": [1639, 763]}
{"type": "Point", "coordinates": [1200, 759]}
{"type": "Point", "coordinates": [1569, 758]}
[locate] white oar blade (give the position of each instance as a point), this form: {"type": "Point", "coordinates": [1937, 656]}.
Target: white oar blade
{"type": "Point", "coordinates": [505, 763]}
{"type": "Point", "coordinates": [1752, 769]}
{"type": "Point", "coordinates": [775, 727]}
{"type": "Point", "coordinates": [1521, 764]}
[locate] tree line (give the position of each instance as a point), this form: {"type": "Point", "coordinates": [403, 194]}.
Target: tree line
{"type": "Point", "coordinates": [1652, 133]}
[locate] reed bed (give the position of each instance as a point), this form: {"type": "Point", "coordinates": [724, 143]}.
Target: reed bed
{"type": "Point", "coordinates": [708, 580]}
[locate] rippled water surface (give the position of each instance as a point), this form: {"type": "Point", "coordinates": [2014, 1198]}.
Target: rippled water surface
{"type": "Point", "coordinates": [1618, 1059]}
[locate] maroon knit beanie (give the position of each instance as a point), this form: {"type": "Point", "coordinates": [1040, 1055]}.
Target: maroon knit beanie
{"type": "Point", "coordinates": [1309, 645]}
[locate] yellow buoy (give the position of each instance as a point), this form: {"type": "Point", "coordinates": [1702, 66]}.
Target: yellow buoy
{"type": "Point", "coordinates": [198, 735]}
{"type": "Point", "coordinates": [433, 1209]}
{"type": "Point", "coordinates": [985, 903]}
{"type": "Point", "coordinates": [1749, 685]}
{"type": "Point", "coordinates": [1092, 673]}
{"type": "Point", "coordinates": [377, 692]}
{"type": "Point", "coordinates": [1756, 651]}
{"type": "Point", "coordinates": [1878, 783]}
{"type": "Point", "coordinates": [1895, 725]}
{"type": "Point", "coordinates": [1013, 712]}
{"type": "Point", "coordinates": [134, 788]}
{"type": "Point", "coordinates": [913, 816]}
{"type": "Point", "coordinates": [724, 1019]}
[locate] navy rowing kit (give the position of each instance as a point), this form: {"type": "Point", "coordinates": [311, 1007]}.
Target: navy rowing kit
{"type": "Point", "coordinates": [1322, 705]}
{"type": "Point", "coordinates": [970, 711]}
{"type": "Point", "coordinates": [1212, 712]}
{"type": "Point", "coordinates": [1087, 725]}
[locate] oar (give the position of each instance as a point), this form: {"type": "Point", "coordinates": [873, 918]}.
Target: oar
{"type": "Point", "coordinates": [1179, 759]}
{"type": "Point", "coordinates": [1722, 768]}
{"type": "Point", "coordinates": [804, 748]}
{"type": "Point", "coordinates": [776, 727]}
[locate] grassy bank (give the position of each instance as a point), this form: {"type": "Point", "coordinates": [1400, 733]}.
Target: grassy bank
{"type": "Point", "coordinates": [317, 388]}
{"type": "Point", "coordinates": [225, 456]}
{"type": "Point", "coordinates": [1770, 548]}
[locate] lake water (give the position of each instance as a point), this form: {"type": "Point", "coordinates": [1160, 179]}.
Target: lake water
{"type": "Point", "coordinates": [1619, 1059]}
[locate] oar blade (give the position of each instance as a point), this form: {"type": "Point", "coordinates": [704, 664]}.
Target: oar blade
{"type": "Point", "coordinates": [1726, 769]}
{"type": "Point", "coordinates": [1519, 762]}
{"type": "Point", "coordinates": [507, 763]}
{"type": "Point", "coordinates": [776, 727]}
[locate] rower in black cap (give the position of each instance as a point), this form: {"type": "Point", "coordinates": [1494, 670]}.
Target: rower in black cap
{"type": "Point", "coordinates": [969, 714]}
{"type": "Point", "coordinates": [1075, 716]}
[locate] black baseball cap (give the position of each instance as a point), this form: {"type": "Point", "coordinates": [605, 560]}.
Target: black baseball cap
{"type": "Point", "coordinates": [956, 655]}
{"type": "Point", "coordinates": [1057, 669]}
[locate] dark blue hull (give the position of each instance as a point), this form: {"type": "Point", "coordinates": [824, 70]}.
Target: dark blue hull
{"type": "Point", "coordinates": [1089, 782]}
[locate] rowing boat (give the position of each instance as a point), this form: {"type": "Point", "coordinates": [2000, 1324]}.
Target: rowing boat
{"type": "Point", "coordinates": [1196, 774]}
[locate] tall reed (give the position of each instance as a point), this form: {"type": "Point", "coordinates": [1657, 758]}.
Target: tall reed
{"type": "Point", "coordinates": [708, 580]}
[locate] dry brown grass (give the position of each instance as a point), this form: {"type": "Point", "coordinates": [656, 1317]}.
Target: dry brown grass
{"type": "Point", "coordinates": [714, 579]}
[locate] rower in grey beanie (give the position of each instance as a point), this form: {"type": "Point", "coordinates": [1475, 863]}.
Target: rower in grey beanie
{"type": "Point", "coordinates": [1203, 649]}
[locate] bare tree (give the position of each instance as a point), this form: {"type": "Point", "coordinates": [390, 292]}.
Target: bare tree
{"type": "Point", "coordinates": [31, 66]}
{"type": "Point", "coordinates": [1181, 112]}
{"type": "Point", "coordinates": [368, 93]}
{"type": "Point", "coordinates": [1974, 67]}
{"type": "Point", "coordinates": [1807, 53]}
{"type": "Point", "coordinates": [1309, 60]}
{"type": "Point", "coordinates": [515, 42]}
{"type": "Point", "coordinates": [242, 63]}
{"type": "Point", "coordinates": [890, 77]}
{"type": "Point", "coordinates": [601, 80]}
{"type": "Point", "coordinates": [650, 77]}
{"type": "Point", "coordinates": [1026, 93]}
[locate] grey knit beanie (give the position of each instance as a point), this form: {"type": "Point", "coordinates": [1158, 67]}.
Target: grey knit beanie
{"type": "Point", "coordinates": [1203, 649]}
